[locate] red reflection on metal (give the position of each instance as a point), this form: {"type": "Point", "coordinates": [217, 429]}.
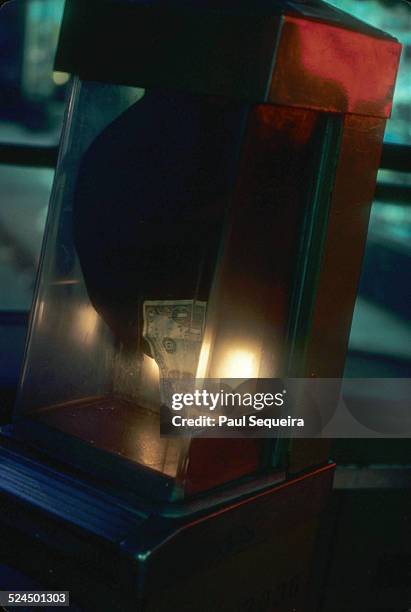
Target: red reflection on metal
{"type": "Point", "coordinates": [212, 462]}
{"type": "Point", "coordinates": [326, 67]}
{"type": "Point", "coordinates": [317, 484]}
{"type": "Point", "coordinates": [338, 276]}
{"type": "Point", "coordinates": [216, 461]}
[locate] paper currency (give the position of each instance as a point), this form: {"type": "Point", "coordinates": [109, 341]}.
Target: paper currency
{"type": "Point", "coordinates": [174, 331]}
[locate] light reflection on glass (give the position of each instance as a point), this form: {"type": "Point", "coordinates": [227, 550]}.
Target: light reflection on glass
{"type": "Point", "coordinates": [41, 311]}
{"type": "Point", "coordinates": [87, 321]}
{"type": "Point", "coordinates": [150, 370]}
{"type": "Point", "coordinates": [203, 360]}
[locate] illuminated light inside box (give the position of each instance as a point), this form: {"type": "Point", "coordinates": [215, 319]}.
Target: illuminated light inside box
{"type": "Point", "coordinates": [239, 364]}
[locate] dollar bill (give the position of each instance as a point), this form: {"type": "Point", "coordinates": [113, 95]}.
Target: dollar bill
{"type": "Point", "coordinates": [174, 331]}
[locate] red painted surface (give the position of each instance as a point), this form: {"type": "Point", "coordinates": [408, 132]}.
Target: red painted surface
{"type": "Point", "coordinates": [212, 462]}
{"type": "Point", "coordinates": [326, 67]}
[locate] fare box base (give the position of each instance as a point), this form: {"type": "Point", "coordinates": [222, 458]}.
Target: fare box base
{"type": "Point", "coordinates": [254, 553]}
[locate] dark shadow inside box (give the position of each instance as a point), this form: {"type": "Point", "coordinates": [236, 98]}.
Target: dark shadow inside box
{"type": "Point", "coordinates": [119, 427]}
